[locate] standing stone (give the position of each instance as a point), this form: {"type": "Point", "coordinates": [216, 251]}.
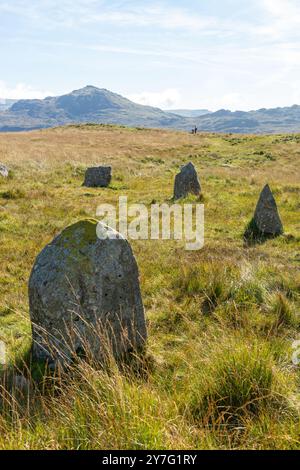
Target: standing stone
{"type": "Point", "coordinates": [186, 182]}
{"type": "Point", "coordinates": [97, 177]}
{"type": "Point", "coordinates": [266, 216]}
{"type": "Point", "coordinates": [3, 171]}
{"type": "Point", "coordinates": [81, 285]}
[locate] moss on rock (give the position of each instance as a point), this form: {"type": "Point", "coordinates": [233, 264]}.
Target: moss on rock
{"type": "Point", "coordinates": [78, 235]}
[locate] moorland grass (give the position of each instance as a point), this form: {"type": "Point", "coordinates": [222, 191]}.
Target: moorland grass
{"type": "Point", "coordinates": [221, 321]}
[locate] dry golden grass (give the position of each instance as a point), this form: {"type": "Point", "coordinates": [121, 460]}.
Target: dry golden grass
{"type": "Point", "coordinates": [126, 148]}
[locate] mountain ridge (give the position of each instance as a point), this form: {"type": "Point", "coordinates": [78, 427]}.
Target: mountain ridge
{"type": "Point", "coordinates": [101, 106]}
{"type": "Point", "coordinates": [88, 104]}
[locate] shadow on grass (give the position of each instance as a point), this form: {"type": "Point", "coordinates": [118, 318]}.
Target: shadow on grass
{"type": "Point", "coordinates": [253, 236]}
{"type": "Point", "coordinates": [189, 199]}
{"type": "Point", "coordinates": [29, 381]}
{"type": "Point", "coordinates": [24, 378]}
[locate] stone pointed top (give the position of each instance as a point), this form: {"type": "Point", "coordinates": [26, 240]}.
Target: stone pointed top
{"type": "Point", "coordinates": [266, 214]}
{"type": "Point", "coordinates": [186, 182]}
{"type": "Point", "coordinates": [189, 165]}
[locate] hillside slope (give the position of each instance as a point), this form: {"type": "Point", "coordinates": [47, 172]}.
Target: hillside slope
{"type": "Point", "coordinates": [262, 121]}
{"type": "Point", "coordinates": [89, 104]}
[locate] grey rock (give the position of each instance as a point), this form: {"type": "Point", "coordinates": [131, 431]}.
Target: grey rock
{"type": "Point", "coordinates": [4, 171]}
{"type": "Point", "coordinates": [266, 216]}
{"type": "Point", "coordinates": [84, 294]}
{"type": "Point", "coordinates": [20, 385]}
{"type": "Point", "coordinates": [97, 177]}
{"type": "Point", "coordinates": [186, 182]}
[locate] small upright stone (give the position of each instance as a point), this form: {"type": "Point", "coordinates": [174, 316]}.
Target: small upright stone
{"type": "Point", "coordinates": [266, 216]}
{"type": "Point", "coordinates": [186, 182]}
{"type": "Point", "coordinates": [82, 285]}
{"type": "Point", "coordinates": [97, 177]}
{"type": "Point", "coordinates": [3, 171]}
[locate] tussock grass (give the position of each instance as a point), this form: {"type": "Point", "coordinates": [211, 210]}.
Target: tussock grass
{"type": "Point", "coordinates": [12, 194]}
{"type": "Point", "coordinates": [283, 311]}
{"type": "Point", "coordinates": [240, 382]}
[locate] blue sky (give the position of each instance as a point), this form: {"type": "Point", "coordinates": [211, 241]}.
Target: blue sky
{"type": "Point", "coordinates": [235, 54]}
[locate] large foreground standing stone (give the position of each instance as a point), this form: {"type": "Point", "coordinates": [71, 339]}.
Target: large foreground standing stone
{"type": "Point", "coordinates": [80, 286]}
{"type": "Point", "coordinates": [97, 177]}
{"type": "Point", "coordinates": [3, 171]}
{"type": "Point", "coordinates": [266, 216]}
{"type": "Point", "coordinates": [186, 182]}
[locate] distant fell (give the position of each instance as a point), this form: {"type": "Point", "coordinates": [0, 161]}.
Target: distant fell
{"type": "Point", "coordinates": [261, 121]}
{"type": "Point", "coordinates": [89, 104]}
{"type": "Point", "coordinates": [100, 106]}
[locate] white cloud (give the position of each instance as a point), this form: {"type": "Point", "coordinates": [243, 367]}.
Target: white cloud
{"type": "Point", "coordinates": [52, 14]}
{"type": "Point", "coordinates": [283, 9]}
{"type": "Point", "coordinates": [76, 12]}
{"type": "Point", "coordinates": [72, 14]}
{"type": "Point", "coordinates": [166, 18]}
{"type": "Point", "coordinates": [21, 91]}
{"type": "Point", "coordinates": [169, 98]}
{"type": "Point", "coordinates": [283, 18]}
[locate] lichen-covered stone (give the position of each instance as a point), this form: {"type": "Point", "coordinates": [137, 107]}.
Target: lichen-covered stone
{"type": "Point", "coordinates": [82, 288]}
{"type": "Point", "coordinates": [4, 171]}
{"type": "Point", "coordinates": [97, 177]}
{"type": "Point", "coordinates": [266, 216]}
{"type": "Point", "coordinates": [186, 182]}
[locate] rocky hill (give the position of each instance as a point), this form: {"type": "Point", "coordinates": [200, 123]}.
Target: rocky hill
{"type": "Point", "coordinates": [101, 106]}
{"type": "Point", "coordinates": [89, 104]}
